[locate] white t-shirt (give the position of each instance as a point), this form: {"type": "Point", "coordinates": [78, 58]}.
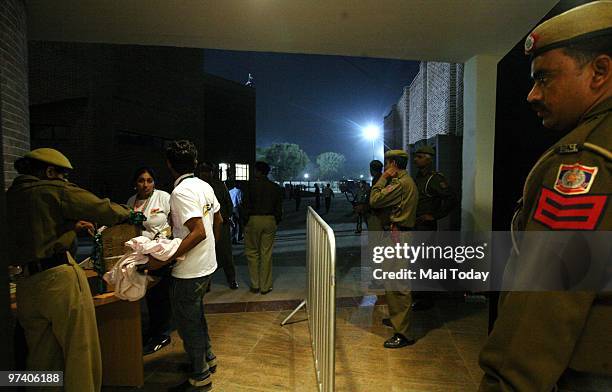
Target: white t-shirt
{"type": "Point", "coordinates": [157, 211]}
{"type": "Point", "coordinates": [193, 198]}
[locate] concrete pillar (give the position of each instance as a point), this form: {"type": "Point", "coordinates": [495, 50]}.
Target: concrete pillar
{"type": "Point", "coordinates": [14, 79]}
{"type": "Point", "coordinates": [479, 94]}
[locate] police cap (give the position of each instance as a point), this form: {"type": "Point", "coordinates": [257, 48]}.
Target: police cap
{"type": "Point", "coordinates": [578, 24]}
{"type": "Point", "coordinates": [50, 156]}
{"type": "Point", "coordinates": [396, 154]}
{"type": "Point", "coordinates": [426, 149]}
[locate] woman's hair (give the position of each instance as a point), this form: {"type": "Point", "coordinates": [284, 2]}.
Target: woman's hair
{"type": "Point", "coordinates": [142, 170]}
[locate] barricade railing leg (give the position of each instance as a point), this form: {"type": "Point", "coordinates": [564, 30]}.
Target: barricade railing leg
{"type": "Point", "coordinates": [300, 306]}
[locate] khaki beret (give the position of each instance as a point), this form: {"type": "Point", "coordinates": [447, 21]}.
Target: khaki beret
{"type": "Point", "coordinates": [426, 149]}
{"type": "Point", "coordinates": [580, 23]}
{"type": "Point", "coordinates": [50, 156]}
{"type": "Point", "coordinates": [396, 154]}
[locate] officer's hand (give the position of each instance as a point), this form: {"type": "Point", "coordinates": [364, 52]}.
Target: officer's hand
{"type": "Point", "coordinates": [391, 172]}
{"type": "Point", "coordinates": [154, 264]}
{"type": "Point", "coordinates": [85, 227]}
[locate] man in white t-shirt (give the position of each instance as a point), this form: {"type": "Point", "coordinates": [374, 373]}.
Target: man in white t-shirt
{"type": "Point", "coordinates": [195, 219]}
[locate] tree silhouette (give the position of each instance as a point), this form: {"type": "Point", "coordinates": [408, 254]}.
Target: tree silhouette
{"type": "Point", "coordinates": [330, 163]}
{"type": "Point", "coordinates": [286, 159]}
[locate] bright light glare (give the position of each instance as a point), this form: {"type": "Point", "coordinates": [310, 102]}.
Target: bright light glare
{"type": "Point", "coordinates": [306, 175]}
{"type": "Point", "coordinates": [371, 132]}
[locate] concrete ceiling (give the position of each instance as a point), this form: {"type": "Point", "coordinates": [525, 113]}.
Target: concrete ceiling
{"type": "Point", "coordinates": [440, 30]}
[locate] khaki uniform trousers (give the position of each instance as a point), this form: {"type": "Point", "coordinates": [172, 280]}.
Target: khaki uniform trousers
{"type": "Point", "coordinates": [57, 313]}
{"type": "Point", "coordinates": [258, 243]}
{"type": "Point", "coordinates": [400, 308]}
{"type": "Point", "coordinates": [399, 304]}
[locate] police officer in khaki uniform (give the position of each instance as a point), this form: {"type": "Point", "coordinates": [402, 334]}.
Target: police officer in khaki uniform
{"type": "Point", "coordinates": [223, 246]}
{"type": "Point", "coordinates": [541, 339]}
{"type": "Point", "coordinates": [54, 303]}
{"type": "Point", "coordinates": [378, 218]}
{"type": "Point", "coordinates": [436, 200]}
{"type": "Point", "coordinates": [396, 190]}
{"type": "Point", "coordinates": [264, 210]}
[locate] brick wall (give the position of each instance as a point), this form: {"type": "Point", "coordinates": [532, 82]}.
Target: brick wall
{"type": "Point", "coordinates": [459, 99]}
{"type": "Point", "coordinates": [438, 96]}
{"type": "Point", "coordinates": [111, 108]}
{"type": "Point", "coordinates": [393, 130]}
{"type": "Point", "coordinates": [433, 103]}
{"type": "Point", "coordinates": [14, 80]}
{"type": "Point", "coordinates": [403, 106]}
{"type": "Point", "coordinates": [229, 121]}
{"type": "Point", "coordinates": [417, 107]}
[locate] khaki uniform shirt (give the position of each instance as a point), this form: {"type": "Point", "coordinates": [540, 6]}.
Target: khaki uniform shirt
{"type": "Point", "coordinates": [400, 195]}
{"type": "Point", "coordinates": [539, 334]}
{"type": "Point", "coordinates": [42, 215]}
{"type": "Point", "coordinates": [435, 196]}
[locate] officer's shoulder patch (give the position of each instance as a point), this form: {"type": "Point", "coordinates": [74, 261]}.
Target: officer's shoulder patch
{"type": "Point", "coordinates": [559, 212]}
{"type": "Point", "coordinates": [574, 179]}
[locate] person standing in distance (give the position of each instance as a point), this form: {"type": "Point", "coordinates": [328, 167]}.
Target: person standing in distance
{"type": "Point", "coordinates": [236, 196]}
{"type": "Point", "coordinates": [395, 189]}
{"type": "Point", "coordinates": [378, 218]}
{"type": "Point", "coordinates": [328, 194]}
{"type": "Point", "coordinates": [436, 200]}
{"type": "Point", "coordinates": [197, 221]}
{"type": "Point", "coordinates": [224, 244]}
{"type": "Point", "coordinates": [54, 303]}
{"type": "Point", "coordinates": [264, 209]}
{"type": "Point", "coordinates": [546, 340]}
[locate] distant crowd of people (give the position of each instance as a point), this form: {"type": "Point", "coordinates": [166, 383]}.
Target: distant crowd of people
{"type": "Point", "coordinates": [298, 191]}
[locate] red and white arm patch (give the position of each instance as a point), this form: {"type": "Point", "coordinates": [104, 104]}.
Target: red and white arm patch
{"type": "Point", "coordinates": [559, 212]}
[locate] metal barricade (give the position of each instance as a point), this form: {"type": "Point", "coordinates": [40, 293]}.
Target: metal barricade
{"type": "Point", "coordinates": [321, 298]}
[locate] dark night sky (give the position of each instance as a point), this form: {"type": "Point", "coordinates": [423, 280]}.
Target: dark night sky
{"type": "Point", "coordinates": [318, 102]}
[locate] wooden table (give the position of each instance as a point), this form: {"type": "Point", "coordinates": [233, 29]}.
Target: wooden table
{"type": "Point", "coordinates": [120, 335]}
{"type": "Point", "coordinates": [119, 329]}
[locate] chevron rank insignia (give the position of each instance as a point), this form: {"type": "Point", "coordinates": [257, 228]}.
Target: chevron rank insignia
{"type": "Point", "coordinates": [575, 179]}
{"type": "Point", "coordinates": [559, 212]}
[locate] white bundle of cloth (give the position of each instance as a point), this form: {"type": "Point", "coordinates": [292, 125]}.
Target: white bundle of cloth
{"type": "Point", "coordinates": [130, 284]}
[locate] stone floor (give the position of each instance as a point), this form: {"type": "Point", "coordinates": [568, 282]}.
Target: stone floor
{"type": "Point", "coordinates": [256, 354]}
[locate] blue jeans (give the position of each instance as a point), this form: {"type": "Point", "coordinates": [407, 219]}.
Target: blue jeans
{"type": "Point", "coordinates": [187, 299]}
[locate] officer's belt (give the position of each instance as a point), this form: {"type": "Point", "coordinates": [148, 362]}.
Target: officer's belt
{"type": "Point", "coordinates": [34, 267]}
